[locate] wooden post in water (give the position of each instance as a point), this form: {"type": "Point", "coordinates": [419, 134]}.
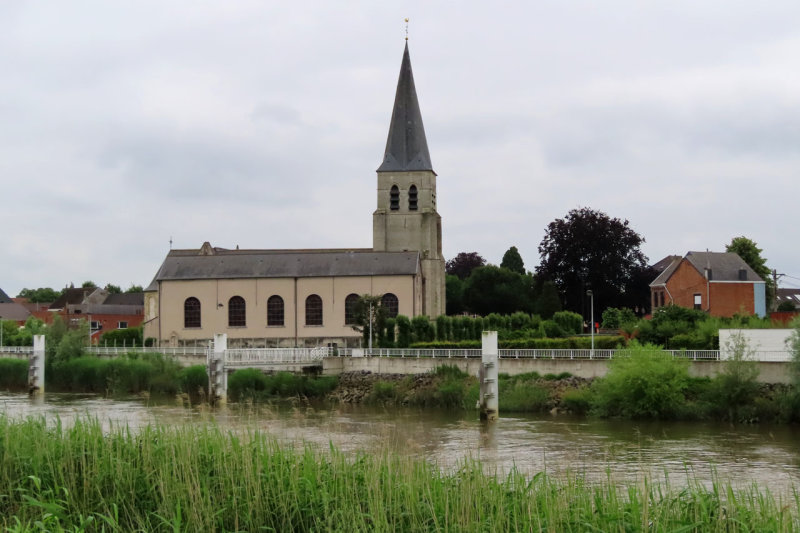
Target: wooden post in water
{"type": "Point", "coordinates": [488, 376]}
{"type": "Point", "coordinates": [217, 376]}
{"type": "Point", "coordinates": [36, 367]}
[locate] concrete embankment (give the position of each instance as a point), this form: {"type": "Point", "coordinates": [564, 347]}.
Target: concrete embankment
{"type": "Point", "coordinates": [769, 372]}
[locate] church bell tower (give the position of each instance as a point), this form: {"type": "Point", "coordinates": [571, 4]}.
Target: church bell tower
{"type": "Point", "coordinates": [406, 218]}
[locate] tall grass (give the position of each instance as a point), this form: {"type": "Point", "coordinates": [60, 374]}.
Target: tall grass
{"type": "Point", "coordinates": [189, 478]}
{"type": "Point", "coordinates": [250, 383]}
{"type": "Point", "coordinates": [13, 373]}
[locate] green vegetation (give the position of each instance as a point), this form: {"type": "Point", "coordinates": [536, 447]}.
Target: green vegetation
{"type": "Point", "coordinates": [446, 387]}
{"type": "Point", "coordinates": [13, 374]}
{"type": "Point", "coordinates": [642, 382]}
{"type": "Point", "coordinates": [123, 337]}
{"type": "Point", "coordinates": [252, 384]}
{"type": "Point", "coordinates": [522, 393]}
{"type": "Point", "coordinates": [203, 479]}
{"type": "Point", "coordinates": [133, 373]}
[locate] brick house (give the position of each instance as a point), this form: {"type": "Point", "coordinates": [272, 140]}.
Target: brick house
{"type": "Point", "coordinates": [721, 284]}
{"type": "Point", "coordinates": [105, 312]}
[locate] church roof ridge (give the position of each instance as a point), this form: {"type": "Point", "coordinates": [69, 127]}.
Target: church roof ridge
{"type": "Point", "coordinates": [406, 145]}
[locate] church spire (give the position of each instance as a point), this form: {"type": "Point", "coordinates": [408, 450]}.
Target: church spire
{"type": "Point", "coordinates": [406, 146]}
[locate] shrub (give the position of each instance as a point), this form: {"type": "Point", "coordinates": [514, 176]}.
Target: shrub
{"type": "Point", "coordinates": [523, 396]}
{"type": "Point", "coordinates": [578, 401]}
{"type": "Point", "coordinates": [642, 382]}
{"type": "Point", "coordinates": [403, 331]}
{"type": "Point", "coordinates": [246, 383]}
{"type": "Point", "coordinates": [383, 391]}
{"type": "Point", "coordinates": [194, 380]}
{"type": "Point", "coordinates": [551, 329]}
{"type": "Point", "coordinates": [734, 390]}
{"type": "Point", "coordinates": [614, 318]}
{"type": "Point", "coordinates": [571, 323]}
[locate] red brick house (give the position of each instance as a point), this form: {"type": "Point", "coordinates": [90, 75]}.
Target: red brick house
{"type": "Point", "coordinates": [721, 284]}
{"type": "Point", "coordinates": [105, 312]}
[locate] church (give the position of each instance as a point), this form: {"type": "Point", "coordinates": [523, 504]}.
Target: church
{"type": "Point", "coordinates": [296, 298]}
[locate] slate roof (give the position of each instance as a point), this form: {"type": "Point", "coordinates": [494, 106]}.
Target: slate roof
{"type": "Point", "coordinates": [249, 264]}
{"type": "Point", "coordinates": [13, 311]}
{"type": "Point", "coordinates": [725, 266]}
{"type": "Point", "coordinates": [125, 298]}
{"type": "Point", "coordinates": [789, 295]}
{"type": "Point", "coordinates": [406, 145]}
{"type": "Point", "coordinates": [5, 298]}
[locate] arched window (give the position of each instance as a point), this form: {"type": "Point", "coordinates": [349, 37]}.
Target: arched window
{"type": "Point", "coordinates": [191, 313]}
{"type": "Point", "coordinates": [236, 312]}
{"type": "Point", "coordinates": [394, 198]}
{"type": "Point", "coordinates": [390, 303]}
{"type": "Point", "coordinates": [275, 310]}
{"type": "Point", "coordinates": [350, 304]}
{"type": "Point", "coordinates": [313, 310]}
{"type": "Point", "coordinates": [412, 198]}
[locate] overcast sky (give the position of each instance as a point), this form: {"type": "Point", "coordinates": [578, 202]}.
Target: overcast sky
{"type": "Point", "coordinates": [261, 124]}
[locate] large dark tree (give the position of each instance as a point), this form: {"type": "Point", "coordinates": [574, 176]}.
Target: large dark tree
{"type": "Point", "coordinates": [513, 261]}
{"type": "Point", "coordinates": [590, 250]}
{"type": "Point", "coordinates": [463, 264]}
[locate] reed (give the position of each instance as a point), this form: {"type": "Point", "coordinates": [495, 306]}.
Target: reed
{"type": "Point", "coordinates": [201, 478]}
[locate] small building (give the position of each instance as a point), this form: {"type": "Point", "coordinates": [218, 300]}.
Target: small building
{"type": "Point", "coordinates": [721, 284]}
{"type": "Point", "coordinates": [105, 312]}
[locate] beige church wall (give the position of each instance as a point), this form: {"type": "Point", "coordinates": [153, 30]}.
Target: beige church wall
{"type": "Point", "coordinates": [214, 318]}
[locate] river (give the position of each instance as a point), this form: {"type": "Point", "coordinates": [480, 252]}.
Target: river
{"type": "Point", "coordinates": [600, 450]}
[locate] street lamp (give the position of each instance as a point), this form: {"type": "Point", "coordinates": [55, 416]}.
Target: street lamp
{"type": "Point", "coordinates": [591, 324]}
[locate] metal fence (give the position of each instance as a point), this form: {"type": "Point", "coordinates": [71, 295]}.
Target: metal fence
{"type": "Point", "coordinates": [268, 356]}
{"type": "Point", "coordinates": [694, 355]}
{"type": "Point", "coordinates": [16, 350]}
{"type": "Point", "coordinates": [166, 350]}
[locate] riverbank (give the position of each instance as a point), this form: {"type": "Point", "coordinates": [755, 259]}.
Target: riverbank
{"type": "Point", "coordinates": [202, 478]}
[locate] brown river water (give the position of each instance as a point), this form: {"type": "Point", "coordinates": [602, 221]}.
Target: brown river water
{"type": "Point", "coordinates": [619, 451]}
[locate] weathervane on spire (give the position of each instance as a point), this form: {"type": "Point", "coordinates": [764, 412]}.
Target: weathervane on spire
{"type": "Point", "coordinates": [406, 28]}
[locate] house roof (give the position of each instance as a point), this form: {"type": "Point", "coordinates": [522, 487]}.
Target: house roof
{"type": "Point", "coordinates": [245, 264]}
{"type": "Point", "coordinates": [5, 298]}
{"type": "Point", "coordinates": [724, 266]}
{"type": "Point", "coordinates": [661, 265]}
{"type": "Point", "coordinates": [406, 145]}
{"type": "Point", "coordinates": [789, 295]}
{"type": "Point", "coordinates": [79, 295]}
{"type": "Point", "coordinates": [125, 298]}
{"type": "Point", "coordinates": [13, 311]}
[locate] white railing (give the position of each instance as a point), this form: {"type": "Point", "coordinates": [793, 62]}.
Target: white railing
{"type": "Point", "coordinates": [166, 350]}
{"type": "Point", "coordinates": [582, 353]}
{"type": "Point", "coordinates": [275, 356]}
{"type": "Point", "coordinates": [16, 349]}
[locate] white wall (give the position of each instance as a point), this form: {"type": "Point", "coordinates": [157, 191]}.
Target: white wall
{"type": "Point", "coordinates": [768, 344]}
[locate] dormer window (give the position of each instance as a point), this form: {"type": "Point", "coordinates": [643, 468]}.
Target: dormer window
{"type": "Point", "coordinates": [394, 198]}
{"type": "Point", "coordinates": [412, 198]}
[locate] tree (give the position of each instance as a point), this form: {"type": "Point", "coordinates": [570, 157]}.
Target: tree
{"type": "Point", "coordinates": [89, 285]}
{"type": "Point", "coordinates": [491, 289]}
{"type": "Point", "coordinates": [463, 264]}
{"type": "Point", "coordinates": [590, 250]}
{"type": "Point", "coordinates": [454, 295]}
{"type": "Point", "coordinates": [112, 289]}
{"type": "Point", "coordinates": [134, 288]}
{"type": "Point", "coordinates": [750, 253]}
{"type": "Point", "coordinates": [40, 295]}
{"type": "Point", "coordinates": [548, 302]}
{"type": "Point", "coordinates": [513, 261]}
{"type": "Point", "coordinates": [365, 306]}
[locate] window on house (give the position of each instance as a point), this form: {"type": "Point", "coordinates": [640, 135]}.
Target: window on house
{"type": "Point", "coordinates": [698, 301]}
{"type": "Point", "coordinates": [661, 297]}
{"type": "Point", "coordinates": [122, 325]}
{"type": "Point", "coordinates": [313, 310]}
{"type": "Point", "coordinates": [96, 326]}
{"type": "Point", "coordinates": [390, 304]}
{"type": "Point", "coordinates": [275, 311]}
{"type": "Point", "coordinates": [412, 198]}
{"type": "Point", "coordinates": [394, 198]}
{"type": "Point", "coordinates": [350, 304]}
{"type": "Point", "coordinates": [237, 312]}
{"type": "Point", "coordinates": [191, 313]}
